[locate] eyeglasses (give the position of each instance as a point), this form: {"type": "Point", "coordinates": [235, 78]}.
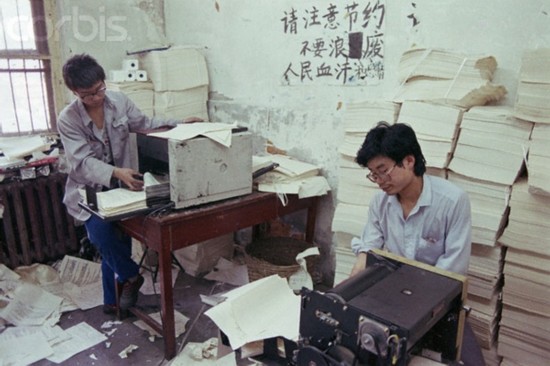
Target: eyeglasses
{"type": "Point", "coordinates": [90, 97]}
{"type": "Point", "coordinates": [374, 177]}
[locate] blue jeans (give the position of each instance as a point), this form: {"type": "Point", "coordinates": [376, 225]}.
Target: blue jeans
{"type": "Point", "coordinates": [116, 255]}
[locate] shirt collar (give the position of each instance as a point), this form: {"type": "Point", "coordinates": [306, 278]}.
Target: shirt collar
{"type": "Point", "coordinates": [82, 110]}
{"type": "Point", "coordinates": [425, 198]}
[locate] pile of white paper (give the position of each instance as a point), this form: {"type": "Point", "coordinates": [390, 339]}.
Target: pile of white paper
{"type": "Point", "coordinates": [447, 77]}
{"type": "Point", "coordinates": [524, 337]}
{"type": "Point", "coordinates": [484, 291]}
{"type": "Point", "coordinates": [183, 103]}
{"type": "Point", "coordinates": [491, 146]}
{"type": "Point", "coordinates": [489, 207]}
{"type": "Point", "coordinates": [538, 162]}
{"type": "Point", "coordinates": [141, 93]}
{"type": "Point", "coordinates": [291, 177]}
{"type": "Point", "coordinates": [436, 127]}
{"type": "Point", "coordinates": [533, 94]}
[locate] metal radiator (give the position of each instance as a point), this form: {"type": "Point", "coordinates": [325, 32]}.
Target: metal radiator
{"type": "Point", "coordinates": [35, 224]}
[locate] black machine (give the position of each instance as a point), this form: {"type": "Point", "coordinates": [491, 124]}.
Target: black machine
{"type": "Point", "coordinates": [394, 309]}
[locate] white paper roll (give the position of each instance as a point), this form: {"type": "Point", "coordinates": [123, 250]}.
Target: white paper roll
{"type": "Point", "coordinates": [130, 64]}
{"type": "Point", "coordinates": [117, 76]}
{"type": "Point", "coordinates": [131, 75]}
{"type": "Point", "coordinates": [141, 75]}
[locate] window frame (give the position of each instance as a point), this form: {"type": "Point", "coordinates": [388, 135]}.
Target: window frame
{"type": "Point", "coordinates": [42, 15]}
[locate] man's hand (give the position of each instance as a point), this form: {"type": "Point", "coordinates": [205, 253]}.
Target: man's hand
{"type": "Point", "coordinates": [131, 179]}
{"type": "Point", "coordinates": [360, 264]}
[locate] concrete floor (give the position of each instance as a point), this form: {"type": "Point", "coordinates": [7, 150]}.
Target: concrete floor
{"type": "Point", "coordinates": [151, 353]}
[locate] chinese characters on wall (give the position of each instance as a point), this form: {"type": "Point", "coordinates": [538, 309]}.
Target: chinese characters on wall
{"type": "Point", "coordinates": [337, 43]}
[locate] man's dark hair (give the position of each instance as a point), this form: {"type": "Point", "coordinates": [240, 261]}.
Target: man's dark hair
{"type": "Point", "coordinates": [82, 72]}
{"type": "Point", "coordinates": [393, 141]}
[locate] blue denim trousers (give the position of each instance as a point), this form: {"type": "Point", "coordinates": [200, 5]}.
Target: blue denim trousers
{"type": "Point", "coordinates": [115, 248]}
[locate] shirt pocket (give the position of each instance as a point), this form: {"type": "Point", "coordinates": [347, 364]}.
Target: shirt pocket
{"type": "Point", "coordinates": [431, 245]}
{"type": "Point", "coordinates": [120, 128]}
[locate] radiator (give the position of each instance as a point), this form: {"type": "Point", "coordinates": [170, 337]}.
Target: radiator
{"type": "Point", "coordinates": [36, 225]}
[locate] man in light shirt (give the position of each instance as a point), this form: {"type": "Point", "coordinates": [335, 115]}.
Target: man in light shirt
{"type": "Point", "coordinates": [416, 216]}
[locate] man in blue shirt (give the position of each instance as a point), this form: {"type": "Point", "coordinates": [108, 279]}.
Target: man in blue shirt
{"type": "Point", "coordinates": [416, 216]}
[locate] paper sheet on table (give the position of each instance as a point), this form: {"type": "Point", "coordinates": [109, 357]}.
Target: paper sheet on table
{"type": "Point", "coordinates": [219, 132]}
{"type": "Point", "coordinates": [30, 306]}
{"type": "Point", "coordinates": [257, 311]}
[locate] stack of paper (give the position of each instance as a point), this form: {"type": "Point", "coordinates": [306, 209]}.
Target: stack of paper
{"type": "Point", "coordinates": [183, 103]}
{"type": "Point", "coordinates": [527, 227]}
{"type": "Point", "coordinates": [293, 177]}
{"type": "Point", "coordinates": [177, 68]}
{"type": "Point", "coordinates": [436, 127]}
{"type": "Point", "coordinates": [524, 337]}
{"type": "Point", "coordinates": [489, 206]}
{"type": "Point", "coordinates": [491, 146]}
{"type": "Point", "coordinates": [442, 64]}
{"type": "Point", "coordinates": [533, 94]}
{"type": "Point", "coordinates": [141, 93]}
{"type": "Point", "coordinates": [354, 189]}
{"type": "Point", "coordinates": [484, 292]}
{"type": "Point", "coordinates": [447, 77]}
{"type": "Point", "coordinates": [180, 79]}
{"type": "Point", "coordinates": [539, 160]}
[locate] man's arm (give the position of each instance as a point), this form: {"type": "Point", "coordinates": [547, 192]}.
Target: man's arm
{"type": "Point", "coordinates": [458, 243]}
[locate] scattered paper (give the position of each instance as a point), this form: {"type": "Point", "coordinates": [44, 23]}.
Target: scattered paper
{"type": "Point", "coordinates": [83, 336]}
{"type": "Point", "coordinates": [203, 354]}
{"type": "Point", "coordinates": [30, 306]}
{"type": "Point", "coordinates": [126, 351]}
{"type": "Point", "coordinates": [263, 309]}
{"type": "Point", "coordinates": [180, 321]}
{"type": "Point", "coordinates": [229, 272]}
{"type": "Point", "coordinates": [302, 278]}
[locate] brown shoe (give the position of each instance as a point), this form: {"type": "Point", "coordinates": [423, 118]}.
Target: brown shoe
{"type": "Point", "coordinates": [130, 291]}
{"type": "Point", "coordinates": [109, 309]}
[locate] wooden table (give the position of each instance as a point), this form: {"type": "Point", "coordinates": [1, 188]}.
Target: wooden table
{"type": "Point", "coordinates": [182, 228]}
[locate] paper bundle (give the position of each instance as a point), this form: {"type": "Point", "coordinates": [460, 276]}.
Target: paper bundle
{"type": "Point", "coordinates": [292, 176]}
{"type": "Point", "coordinates": [533, 94]}
{"type": "Point", "coordinates": [141, 93]}
{"type": "Point", "coordinates": [489, 207]}
{"type": "Point", "coordinates": [447, 77]}
{"type": "Point", "coordinates": [436, 127]}
{"type": "Point", "coordinates": [177, 68]}
{"type": "Point", "coordinates": [491, 146]}
{"type": "Point", "coordinates": [183, 103]}
{"type": "Point", "coordinates": [202, 257]}
{"type": "Point", "coordinates": [539, 160]}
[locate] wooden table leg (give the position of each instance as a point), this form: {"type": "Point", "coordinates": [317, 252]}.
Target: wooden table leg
{"type": "Point", "coordinates": [167, 300]}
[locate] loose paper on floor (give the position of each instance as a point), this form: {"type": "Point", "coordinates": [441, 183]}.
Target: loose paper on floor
{"type": "Point", "coordinates": [262, 309]}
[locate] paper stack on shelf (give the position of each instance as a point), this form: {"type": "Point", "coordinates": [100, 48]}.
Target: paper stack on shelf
{"type": "Point", "coordinates": [489, 207]}
{"type": "Point", "coordinates": [141, 93]}
{"type": "Point", "coordinates": [491, 145]}
{"type": "Point", "coordinates": [539, 160]}
{"type": "Point", "coordinates": [447, 77]}
{"type": "Point", "coordinates": [436, 127]}
{"type": "Point", "coordinates": [524, 337]}
{"type": "Point", "coordinates": [533, 94]}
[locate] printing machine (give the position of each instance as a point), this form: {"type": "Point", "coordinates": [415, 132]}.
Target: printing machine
{"type": "Point", "coordinates": [198, 170]}
{"type": "Point", "coordinates": [395, 309]}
